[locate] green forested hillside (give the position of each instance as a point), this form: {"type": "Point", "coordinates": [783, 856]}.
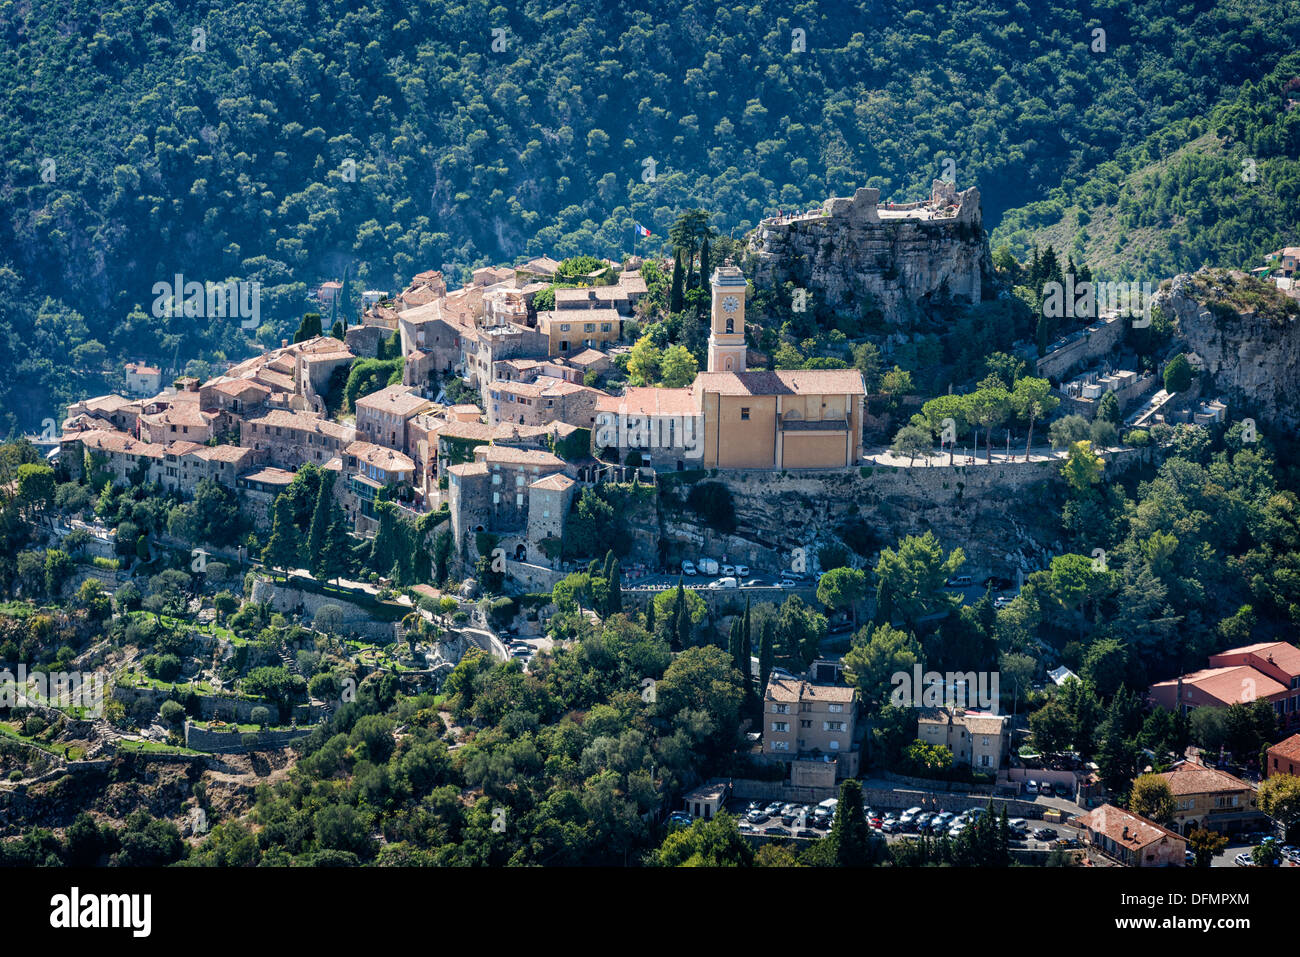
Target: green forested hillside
{"type": "Point", "coordinates": [135, 148]}
{"type": "Point", "coordinates": [1223, 190]}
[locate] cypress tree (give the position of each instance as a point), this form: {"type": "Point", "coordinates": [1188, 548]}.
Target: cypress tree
{"type": "Point", "coordinates": [650, 616]}
{"type": "Point", "coordinates": [321, 517]}
{"type": "Point", "coordinates": [733, 643]}
{"type": "Point", "coordinates": [615, 588]}
{"type": "Point", "coordinates": [681, 618]}
{"type": "Point", "coordinates": [704, 261]}
{"type": "Point", "coordinates": [746, 653]}
{"type": "Point", "coordinates": [765, 654]}
{"type": "Point", "coordinates": [849, 832]}
{"type": "Point", "coordinates": [675, 293]}
{"type": "Point", "coordinates": [282, 549]}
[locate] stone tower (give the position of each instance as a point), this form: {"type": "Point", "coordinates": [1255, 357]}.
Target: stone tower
{"type": "Point", "coordinates": [727, 320]}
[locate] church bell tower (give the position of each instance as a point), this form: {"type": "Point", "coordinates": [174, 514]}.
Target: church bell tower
{"type": "Point", "coordinates": [727, 319]}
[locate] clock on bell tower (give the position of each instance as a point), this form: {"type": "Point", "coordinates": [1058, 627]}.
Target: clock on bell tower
{"type": "Point", "coordinates": [727, 320]}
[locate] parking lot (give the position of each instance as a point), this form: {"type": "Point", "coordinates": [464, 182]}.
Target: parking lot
{"type": "Point", "coordinates": [807, 821]}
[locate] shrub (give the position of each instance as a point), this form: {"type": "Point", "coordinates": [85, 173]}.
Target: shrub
{"type": "Point", "coordinates": [172, 712]}
{"type": "Point", "coordinates": [261, 716]}
{"type": "Point", "coordinates": [34, 725]}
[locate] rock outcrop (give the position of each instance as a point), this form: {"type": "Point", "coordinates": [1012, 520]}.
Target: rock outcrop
{"type": "Point", "coordinates": [854, 252]}
{"type": "Point", "coordinates": [1246, 336]}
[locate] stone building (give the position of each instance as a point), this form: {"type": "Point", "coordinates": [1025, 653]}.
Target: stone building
{"type": "Point", "coordinates": [288, 439]}
{"type": "Point", "coordinates": [383, 416]}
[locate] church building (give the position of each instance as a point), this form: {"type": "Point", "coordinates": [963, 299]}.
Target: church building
{"type": "Point", "coordinates": [786, 419]}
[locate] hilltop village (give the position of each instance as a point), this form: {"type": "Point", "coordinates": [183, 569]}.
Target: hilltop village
{"type": "Point", "coordinates": [825, 512]}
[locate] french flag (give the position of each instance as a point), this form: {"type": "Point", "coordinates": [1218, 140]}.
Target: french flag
{"type": "Point", "coordinates": [642, 231]}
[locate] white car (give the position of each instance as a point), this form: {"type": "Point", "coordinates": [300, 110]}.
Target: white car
{"type": "Point", "coordinates": [728, 570]}
{"type": "Point", "coordinates": [688, 569]}
{"type": "Point", "coordinates": [742, 571]}
{"type": "Point", "coordinates": [725, 583]}
{"type": "Point", "coordinates": [907, 816]}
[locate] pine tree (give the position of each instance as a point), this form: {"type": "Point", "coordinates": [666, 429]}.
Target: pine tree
{"type": "Point", "coordinates": [321, 518]}
{"type": "Point", "coordinates": [282, 549]}
{"type": "Point", "coordinates": [675, 293]}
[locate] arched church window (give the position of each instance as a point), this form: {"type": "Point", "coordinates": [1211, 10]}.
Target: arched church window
{"type": "Point", "coordinates": [731, 326]}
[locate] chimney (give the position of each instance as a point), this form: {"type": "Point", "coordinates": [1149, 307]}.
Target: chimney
{"type": "Point", "coordinates": [284, 343]}
{"type": "Point", "coordinates": [1126, 832]}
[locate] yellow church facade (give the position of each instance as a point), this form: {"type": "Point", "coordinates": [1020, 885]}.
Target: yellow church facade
{"type": "Point", "coordinates": [787, 419]}
{"type": "Point", "coordinates": [737, 418]}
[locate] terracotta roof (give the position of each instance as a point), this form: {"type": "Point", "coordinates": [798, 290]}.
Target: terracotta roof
{"type": "Point", "coordinates": [1111, 821]}
{"type": "Point", "coordinates": [105, 441]}
{"type": "Point", "coordinates": [645, 400]}
{"type": "Point", "coordinates": [792, 690]}
{"type": "Point", "coordinates": [1188, 777]}
{"type": "Point", "coordinates": [1284, 656]}
{"type": "Point", "coordinates": [271, 476]}
{"type": "Point", "coordinates": [390, 460]}
{"type": "Point", "coordinates": [236, 387]}
{"type": "Point", "coordinates": [223, 453]}
{"type": "Point", "coordinates": [586, 357]}
{"type": "Point", "coordinates": [505, 455]}
{"type": "Point", "coordinates": [394, 400]}
{"type": "Point", "coordinates": [181, 448]}
{"type": "Point", "coordinates": [546, 319]}
{"type": "Point", "coordinates": [1288, 748]}
{"type": "Point", "coordinates": [783, 382]}
{"type": "Point", "coordinates": [553, 483]}
{"type": "Point", "coordinates": [304, 421]}
{"type": "Point", "coordinates": [1231, 685]}
{"type": "Point", "coordinates": [589, 294]}
{"type": "Point", "coordinates": [466, 469]}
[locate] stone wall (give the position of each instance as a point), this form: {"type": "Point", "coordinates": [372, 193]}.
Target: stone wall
{"type": "Point", "coordinates": [1090, 344]}
{"type": "Point", "coordinates": [219, 707]}
{"type": "Point", "coordinates": [356, 619]}
{"type": "Point", "coordinates": [1002, 515]}
{"type": "Point", "coordinates": [230, 742]}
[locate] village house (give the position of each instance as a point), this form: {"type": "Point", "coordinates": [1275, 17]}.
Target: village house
{"type": "Point", "coordinates": [382, 416]}
{"type": "Point", "coordinates": [370, 469]}
{"type": "Point", "coordinates": [1269, 670]}
{"type": "Point", "coordinates": [812, 727]}
{"type": "Point", "coordinates": [573, 330]}
{"type": "Point", "coordinates": [543, 400]}
{"type": "Point", "coordinates": [289, 439]}
{"type": "Point", "coordinates": [975, 738]}
{"type": "Point", "coordinates": [495, 493]}
{"type": "Point", "coordinates": [1283, 757]}
{"type": "Point", "coordinates": [1207, 798]}
{"type": "Point", "coordinates": [1132, 840]}
{"type": "Point", "coordinates": [142, 379]}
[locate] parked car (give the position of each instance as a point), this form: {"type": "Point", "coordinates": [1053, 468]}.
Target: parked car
{"type": "Point", "coordinates": [757, 816]}
{"type": "Point", "coordinates": [688, 569]}
{"type": "Point", "coordinates": [777, 830]}
{"type": "Point", "coordinates": [1045, 834]}
{"type": "Point", "coordinates": [1244, 860]}
{"type": "Point", "coordinates": [1002, 601]}
{"type": "Point", "coordinates": [728, 570]}
{"type": "Point", "coordinates": [742, 570]}
{"type": "Point", "coordinates": [909, 815]}
{"type": "Point", "coordinates": [752, 583]}
{"type": "Point", "coordinates": [773, 808]}
{"type": "Point", "coordinates": [956, 829]}
{"type": "Point", "coordinates": [1189, 858]}
{"type": "Point", "coordinates": [1018, 824]}
{"type": "Point", "coordinates": [708, 566]}
{"type": "Point", "coordinates": [958, 581]}
{"type": "Point", "coordinates": [1031, 786]}
{"type": "Point", "coordinates": [1061, 790]}
{"type": "Point", "coordinates": [890, 826]}
{"type": "Point", "coordinates": [680, 817]}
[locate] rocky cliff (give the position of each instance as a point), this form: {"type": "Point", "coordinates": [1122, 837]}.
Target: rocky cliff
{"type": "Point", "coordinates": [1246, 336]}
{"type": "Point", "coordinates": [1005, 517]}
{"type": "Point", "coordinates": [897, 257]}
